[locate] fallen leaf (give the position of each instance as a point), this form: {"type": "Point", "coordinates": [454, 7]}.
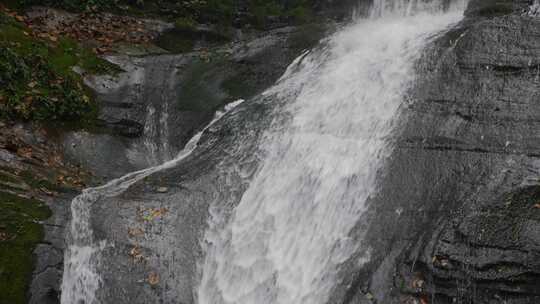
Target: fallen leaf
{"type": "Point", "coordinates": [135, 232]}
{"type": "Point", "coordinates": [24, 152]}
{"type": "Point", "coordinates": [136, 253]}
{"type": "Point", "coordinates": [418, 283]}
{"type": "Point", "coordinates": [445, 263]}
{"type": "Point", "coordinates": [4, 236]}
{"type": "Point", "coordinates": [153, 279]}
{"type": "Point", "coordinates": [46, 191]}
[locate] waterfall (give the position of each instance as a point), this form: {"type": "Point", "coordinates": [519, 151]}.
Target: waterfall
{"type": "Point", "coordinates": [337, 110]}
{"type": "Point", "coordinates": [81, 280]}
{"type": "Point", "coordinates": [534, 9]}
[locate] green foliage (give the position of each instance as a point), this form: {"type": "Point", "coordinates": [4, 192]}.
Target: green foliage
{"type": "Point", "coordinates": [37, 81]}
{"type": "Point", "coordinates": [185, 23]}
{"type": "Point", "coordinates": [301, 14]}
{"type": "Point", "coordinates": [217, 11]}
{"type": "Point", "coordinates": [187, 13]}
{"type": "Point", "coordinates": [31, 89]}
{"type": "Point", "coordinates": [261, 9]}
{"type": "Point", "coordinates": [20, 231]}
{"type": "Point", "coordinates": [68, 53]}
{"type": "Point", "coordinates": [36, 182]}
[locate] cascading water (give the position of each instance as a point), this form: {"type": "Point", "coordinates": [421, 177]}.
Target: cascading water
{"type": "Point", "coordinates": [534, 8]}
{"type": "Point", "coordinates": [338, 111]}
{"type": "Point", "coordinates": [81, 280]}
{"type": "Point", "coordinates": [153, 147]}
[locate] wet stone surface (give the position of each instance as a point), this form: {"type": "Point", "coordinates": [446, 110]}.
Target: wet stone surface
{"type": "Point", "coordinates": [456, 218]}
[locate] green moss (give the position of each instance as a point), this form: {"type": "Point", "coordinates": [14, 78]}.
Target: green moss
{"type": "Point", "coordinates": [5, 177]}
{"type": "Point", "coordinates": [214, 11]}
{"type": "Point", "coordinates": [37, 81]}
{"type": "Point", "coordinates": [177, 41]}
{"type": "Point", "coordinates": [261, 9]}
{"type": "Point", "coordinates": [301, 14]}
{"type": "Point", "coordinates": [20, 232]}
{"type": "Point", "coordinates": [37, 183]}
{"type": "Point", "coordinates": [185, 23]}
{"type": "Point", "coordinates": [198, 94]}
{"type": "Point", "coordinates": [182, 40]}
{"type": "Point", "coordinates": [68, 53]}
{"type": "Point", "coordinates": [235, 86]}
{"type": "Point", "coordinates": [61, 56]}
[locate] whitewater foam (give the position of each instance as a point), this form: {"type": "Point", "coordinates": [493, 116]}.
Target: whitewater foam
{"type": "Point", "coordinates": [337, 110]}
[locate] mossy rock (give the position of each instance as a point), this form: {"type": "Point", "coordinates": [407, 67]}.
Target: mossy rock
{"type": "Point", "coordinates": [37, 78]}
{"type": "Point", "coordinates": [20, 232]}
{"type": "Point", "coordinates": [183, 39]}
{"type": "Point", "coordinates": [199, 85]}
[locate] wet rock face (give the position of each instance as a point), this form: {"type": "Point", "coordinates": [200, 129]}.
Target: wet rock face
{"type": "Point", "coordinates": [150, 111]}
{"type": "Point", "coordinates": [457, 220]}
{"type": "Point", "coordinates": [483, 249]}
{"type": "Point", "coordinates": [153, 232]}
{"type": "Point", "coordinates": [487, 256]}
{"type": "Point", "coordinates": [490, 8]}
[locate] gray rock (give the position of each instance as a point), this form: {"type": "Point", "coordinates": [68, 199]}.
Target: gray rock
{"type": "Point", "coordinates": [171, 243]}
{"type": "Point", "coordinates": [456, 209]}
{"type": "Point", "coordinates": [48, 269]}
{"type": "Point", "coordinates": [149, 112]}
{"type": "Point", "coordinates": [465, 173]}
{"type": "Point", "coordinates": [162, 189]}
{"type": "Point", "coordinates": [193, 88]}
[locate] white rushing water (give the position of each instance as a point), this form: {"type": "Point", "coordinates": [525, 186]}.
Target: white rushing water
{"type": "Point", "coordinates": [534, 9]}
{"type": "Point", "coordinates": [81, 280]}
{"type": "Point", "coordinates": [286, 239]}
